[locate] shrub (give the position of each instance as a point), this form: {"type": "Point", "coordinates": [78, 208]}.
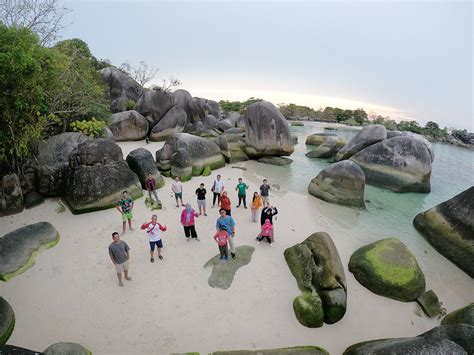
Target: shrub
{"type": "Point", "coordinates": [92, 128]}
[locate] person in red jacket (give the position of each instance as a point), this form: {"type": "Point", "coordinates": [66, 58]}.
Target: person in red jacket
{"type": "Point", "coordinates": [150, 185]}
{"type": "Point", "coordinates": [225, 203]}
{"type": "Point", "coordinates": [187, 220]}
{"type": "Point", "coordinates": [153, 229]}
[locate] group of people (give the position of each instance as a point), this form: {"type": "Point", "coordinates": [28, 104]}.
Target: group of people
{"type": "Point", "coordinates": [225, 224]}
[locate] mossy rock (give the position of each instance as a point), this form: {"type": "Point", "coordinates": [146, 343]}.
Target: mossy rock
{"type": "Point", "coordinates": [463, 315]}
{"type": "Point", "coordinates": [19, 248]}
{"type": "Point", "coordinates": [166, 173]}
{"type": "Point", "coordinates": [65, 348]}
{"type": "Point", "coordinates": [388, 268]}
{"type": "Point", "coordinates": [296, 350]}
{"type": "Point", "coordinates": [430, 304]}
{"type": "Point", "coordinates": [7, 320]}
{"type": "Point", "coordinates": [152, 204]}
{"type": "Point", "coordinates": [197, 170]}
{"type": "Point", "coordinates": [297, 124]}
{"type": "Point", "coordinates": [308, 309]}
{"type": "Point", "coordinates": [207, 171]}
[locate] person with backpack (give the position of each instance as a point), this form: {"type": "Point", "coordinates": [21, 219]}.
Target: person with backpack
{"type": "Point", "coordinates": [153, 229]}
{"type": "Point", "coordinates": [217, 189]}
{"type": "Point", "coordinates": [187, 221]}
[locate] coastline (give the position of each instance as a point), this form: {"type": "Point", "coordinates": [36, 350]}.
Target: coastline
{"type": "Point", "coordinates": [71, 294]}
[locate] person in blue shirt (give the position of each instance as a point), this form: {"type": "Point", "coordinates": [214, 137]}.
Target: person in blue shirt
{"type": "Point", "coordinates": [227, 223]}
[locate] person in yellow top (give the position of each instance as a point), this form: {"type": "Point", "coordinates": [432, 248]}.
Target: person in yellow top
{"type": "Point", "coordinates": [257, 203]}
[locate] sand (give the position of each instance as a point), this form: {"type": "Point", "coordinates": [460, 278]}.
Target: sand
{"type": "Point", "coordinates": [72, 294]}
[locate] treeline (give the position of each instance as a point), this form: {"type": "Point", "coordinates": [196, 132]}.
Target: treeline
{"type": "Point", "coordinates": [45, 91]}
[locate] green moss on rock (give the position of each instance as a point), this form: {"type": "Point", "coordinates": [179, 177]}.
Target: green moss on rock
{"type": "Point", "coordinates": [430, 304]}
{"type": "Point", "coordinates": [309, 310]}
{"type": "Point", "coordinates": [462, 315]}
{"type": "Point", "coordinates": [7, 320]}
{"type": "Point", "coordinates": [207, 171]}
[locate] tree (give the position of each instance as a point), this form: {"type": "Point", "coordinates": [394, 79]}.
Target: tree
{"type": "Point", "coordinates": [360, 115]}
{"type": "Point", "coordinates": [237, 106]}
{"type": "Point", "coordinates": [44, 17]}
{"type": "Point", "coordinates": [27, 71]}
{"type": "Point", "coordinates": [411, 126]}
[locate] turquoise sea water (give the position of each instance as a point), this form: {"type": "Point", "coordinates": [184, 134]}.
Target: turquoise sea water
{"type": "Point", "coordinates": [388, 213]}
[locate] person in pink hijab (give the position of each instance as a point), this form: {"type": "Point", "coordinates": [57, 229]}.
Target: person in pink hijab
{"type": "Point", "coordinates": [266, 233]}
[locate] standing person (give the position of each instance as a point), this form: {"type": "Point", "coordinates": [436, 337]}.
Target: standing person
{"type": "Point", "coordinates": [242, 188]}
{"type": "Point", "coordinates": [153, 229]}
{"type": "Point", "coordinates": [177, 188]}
{"type": "Point", "coordinates": [150, 185]}
{"type": "Point", "coordinates": [125, 207]}
{"type": "Point", "coordinates": [217, 189]}
{"type": "Point", "coordinates": [201, 199]}
{"type": "Point", "coordinates": [268, 212]}
{"type": "Point", "coordinates": [119, 252]}
{"type": "Point", "coordinates": [187, 220]}
{"type": "Point", "coordinates": [225, 203]}
{"type": "Point", "coordinates": [266, 233]}
{"type": "Point", "coordinates": [222, 237]}
{"type": "Point", "coordinates": [256, 205]}
{"type": "Point", "coordinates": [227, 223]}
{"type": "Point", "coordinates": [264, 192]}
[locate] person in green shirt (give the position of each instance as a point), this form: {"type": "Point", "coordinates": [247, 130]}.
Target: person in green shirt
{"type": "Point", "coordinates": [242, 188]}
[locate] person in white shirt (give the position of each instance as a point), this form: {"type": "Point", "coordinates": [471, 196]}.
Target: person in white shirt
{"type": "Point", "coordinates": [153, 229]}
{"type": "Point", "coordinates": [217, 189]}
{"type": "Point", "coordinates": [177, 188]}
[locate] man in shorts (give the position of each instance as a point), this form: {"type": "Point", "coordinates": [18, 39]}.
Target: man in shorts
{"type": "Point", "coordinates": [125, 207]}
{"type": "Point", "coordinates": [177, 188]}
{"type": "Point", "coordinates": [217, 189]}
{"type": "Point", "coordinates": [264, 192]}
{"type": "Point", "coordinates": [153, 229]}
{"type": "Point", "coordinates": [201, 199]}
{"type": "Point", "coordinates": [119, 252]}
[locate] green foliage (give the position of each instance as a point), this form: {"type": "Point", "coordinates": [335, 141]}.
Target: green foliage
{"type": "Point", "coordinates": [292, 110]}
{"type": "Point", "coordinates": [411, 126]}
{"type": "Point", "coordinates": [386, 122]}
{"type": "Point", "coordinates": [130, 105]}
{"type": "Point", "coordinates": [92, 128]}
{"type": "Point", "coordinates": [237, 106]}
{"type": "Point", "coordinates": [432, 129]}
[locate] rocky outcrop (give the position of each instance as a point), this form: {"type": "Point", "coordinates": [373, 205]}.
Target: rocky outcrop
{"type": "Point", "coordinates": [201, 151]}
{"type": "Point", "coordinates": [198, 108]}
{"type": "Point", "coordinates": [121, 88]}
{"type": "Point", "coordinates": [224, 125]}
{"type": "Point", "coordinates": [181, 99]}
{"type": "Point", "coordinates": [154, 104]}
{"type": "Point", "coordinates": [449, 339]}
{"type": "Point", "coordinates": [128, 126]}
{"type": "Point", "coordinates": [328, 149]}
{"type": "Point", "coordinates": [449, 228]}
{"type": "Point", "coordinates": [464, 315]}
{"type": "Point", "coordinates": [198, 129]}
{"type": "Point", "coordinates": [181, 164]}
{"type": "Point", "coordinates": [317, 267]}
{"type": "Point", "coordinates": [7, 321]}
{"type": "Point", "coordinates": [389, 269]}
{"type": "Point", "coordinates": [53, 162]}
{"type": "Point", "coordinates": [366, 137]}
{"type": "Point", "coordinates": [98, 175]}
{"type": "Point", "coordinates": [319, 138]}
{"type": "Point", "coordinates": [19, 248]}
{"type": "Point", "coordinates": [267, 132]}
{"type": "Point", "coordinates": [296, 350]}
{"type": "Point", "coordinates": [11, 195]}
{"type": "Point", "coordinates": [342, 183]}
{"type": "Point", "coordinates": [391, 134]}
{"type": "Point", "coordinates": [66, 349]}
{"type": "Point", "coordinates": [401, 164]}
{"type": "Point", "coordinates": [223, 144]}
{"type": "Point", "coordinates": [278, 161]}
{"type": "Point", "coordinates": [233, 118]}
{"type": "Point", "coordinates": [142, 163]}
{"type": "Point", "coordinates": [210, 122]}
{"type": "Point", "coordinates": [172, 122]}
{"type": "Point", "coordinates": [33, 199]}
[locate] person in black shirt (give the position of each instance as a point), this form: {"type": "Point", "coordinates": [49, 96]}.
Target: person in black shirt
{"type": "Point", "coordinates": [201, 199]}
{"type": "Point", "coordinates": [268, 213]}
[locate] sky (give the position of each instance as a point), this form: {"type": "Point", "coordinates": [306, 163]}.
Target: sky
{"type": "Point", "coordinates": [405, 59]}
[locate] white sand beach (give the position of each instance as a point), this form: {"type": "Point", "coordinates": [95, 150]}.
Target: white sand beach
{"type": "Point", "coordinates": [72, 294]}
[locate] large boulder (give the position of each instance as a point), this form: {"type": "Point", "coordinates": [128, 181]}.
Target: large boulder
{"type": "Point", "coordinates": [11, 195]}
{"type": "Point", "coordinates": [7, 320]}
{"type": "Point", "coordinates": [328, 149]}
{"type": "Point", "coordinates": [33, 199]}
{"type": "Point", "coordinates": [172, 122]}
{"type": "Point", "coordinates": [464, 315]}
{"type": "Point", "coordinates": [223, 144]}
{"type": "Point", "coordinates": [128, 126]}
{"type": "Point", "coordinates": [233, 118]}
{"type": "Point", "coordinates": [121, 88]}
{"type": "Point", "coordinates": [154, 104]}
{"type": "Point", "coordinates": [181, 99]}
{"type": "Point", "coordinates": [19, 248]}
{"type": "Point", "coordinates": [182, 164]}
{"type": "Point", "coordinates": [210, 122]}
{"type": "Point", "coordinates": [447, 339]}
{"type": "Point", "coordinates": [66, 348]}
{"type": "Point", "coordinates": [366, 137]}
{"type": "Point", "coordinates": [202, 152]}
{"type": "Point", "coordinates": [98, 176]}
{"type": "Point", "coordinates": [319, 138]}
{"type": "Point", "coordinates": [267, 132]}
{"type": "Point", "coordinates": [391, 134]}
{"type": "Point", "coordinates": [224, 125]}
{"type": "Point", "coordinates": [142, 163]}
{"type": "Point", "coordinates": [198, 108]}
{"type": "Point", "coordinates": [387, 268]}
{"type": "Point", "coordinates": [342, 183]}
{"type": "Point", "coordinates": [53, 161]}
{"type": "Point", "coordinates": [449, 228]}
{"type": "Point", "coordinates": [198, 129]}
{"type": "Point", "coordinates": [401, 164]}
{"type": "Point", "coordinates": [16, 350]}
{"type": "Point", "coordinates": [278, 161]}
{"type": "Point", "coordinates": [317, 268]}
{"type": "Point", "coordinates": [295, 350]}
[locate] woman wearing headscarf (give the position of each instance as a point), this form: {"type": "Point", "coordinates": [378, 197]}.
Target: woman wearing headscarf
{"type": "Point", "coordinates": [187, 220]}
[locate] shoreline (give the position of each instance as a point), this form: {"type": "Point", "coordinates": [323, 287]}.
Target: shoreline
{"type": "Point", "coordinates": [167, 301]}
